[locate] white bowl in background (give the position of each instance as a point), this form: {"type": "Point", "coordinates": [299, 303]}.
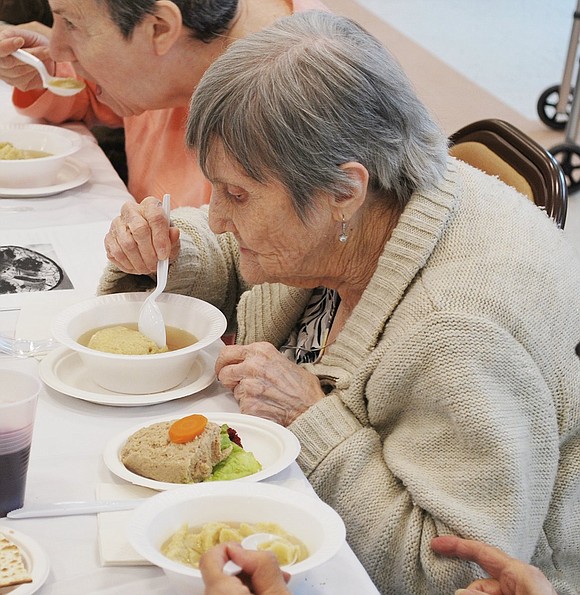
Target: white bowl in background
{"type": "Point", "coordinates": [138, 374]}
{"type": "Point", "coordinates": [306, 517]}
{"type": "Point", "coordinates": [41, 171]}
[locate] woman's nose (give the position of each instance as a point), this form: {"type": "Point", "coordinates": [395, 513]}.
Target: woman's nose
{"type": "Point", "coordinates": [60, 49]}
{"type": "Point", "coordinates": [218, 220]}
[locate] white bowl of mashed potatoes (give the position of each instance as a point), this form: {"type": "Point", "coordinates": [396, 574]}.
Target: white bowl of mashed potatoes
{"type": "Point", "coordinates": [32, 155]}
{"type": "Point", "coordinates": [162, 524]}
{"type": "Point", "coordinates": [131, 365]}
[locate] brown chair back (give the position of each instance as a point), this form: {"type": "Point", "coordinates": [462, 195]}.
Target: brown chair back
{"type": "Point", "coordinates": [500, 149]}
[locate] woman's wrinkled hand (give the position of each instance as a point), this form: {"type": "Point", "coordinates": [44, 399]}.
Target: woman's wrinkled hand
{"type": "Point", "coordinates": [261, 574]}
{"type": "Point", "coordinates": [509, 576]}
{"type": "Point", "coordinates": [266, 383]}
{"type": "Point", "coordinates": [140, 236]}
{"type": "Point", "coordinates": [15, 72]}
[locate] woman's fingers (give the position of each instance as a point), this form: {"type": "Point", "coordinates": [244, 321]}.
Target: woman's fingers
{"type": "Point", "coordinates": [509, 576]}
{"type": "Point", "coordinates": [488, 586]}
{"type": "Point", "coordinates": [216, 582]}
{"type": "Point", "coordinates": [12, 70]}
{"type": "Point", "coordinates": [491, 559]}
{"type": "Point", "coordinates": [155, 231]}
{"type": "Point", "coordinates": [140, 236]}
{"type": "Point", "coordinates": [265, 383]}
{"type": "Point", "coordinates": [123, 249]}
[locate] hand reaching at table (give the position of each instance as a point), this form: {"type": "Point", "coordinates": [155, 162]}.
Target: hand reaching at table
{"type": "Point", "coordinates": [508, 575]}
{"type": "Point", "coordinates": [266, 383]}
{"type": "Point", "coordinates": [140, 236]}
{"type": "Point", "coordinates": [15, 72]}
{"type": "Point", "coordinates": [261, 574]}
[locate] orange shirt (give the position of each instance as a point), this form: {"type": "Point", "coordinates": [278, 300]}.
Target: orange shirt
{"type": "Point", "coordinates": [157, 158]}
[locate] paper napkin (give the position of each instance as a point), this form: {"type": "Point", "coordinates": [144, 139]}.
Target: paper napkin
{"type": "Point", "coordinates": [114, 548]}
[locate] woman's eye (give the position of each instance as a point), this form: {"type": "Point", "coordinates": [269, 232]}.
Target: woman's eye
{"type": "Point", "coordinates": [68, 24]}
{"type": "Point", "coordinates": [231, 193]}
{"type": "Point", "coordinates": [234, 193]}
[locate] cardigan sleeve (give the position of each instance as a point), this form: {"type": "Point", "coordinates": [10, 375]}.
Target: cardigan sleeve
{"type": "Point", "coordinates": [462, 438]}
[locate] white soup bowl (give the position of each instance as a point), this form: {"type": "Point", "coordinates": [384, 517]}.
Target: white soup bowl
{"type": "Point", "coordinates": [306, 517]}
{"type": "Point", "coordinates": [138, 374]}
{"type": "Point", "coordinates": [39, 171]}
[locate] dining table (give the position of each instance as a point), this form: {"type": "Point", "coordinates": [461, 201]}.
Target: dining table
{"type": "Point", "coordinates": [71, 432]}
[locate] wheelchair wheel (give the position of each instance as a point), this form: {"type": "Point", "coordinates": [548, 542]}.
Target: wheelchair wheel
{"type": "Point", "coordinates": [547, 108]}
{"type": "Point", "coordinates": [568, 156]}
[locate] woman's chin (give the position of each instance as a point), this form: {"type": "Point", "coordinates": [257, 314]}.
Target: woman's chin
{"type": "Point", "coordinates": [253, 274]}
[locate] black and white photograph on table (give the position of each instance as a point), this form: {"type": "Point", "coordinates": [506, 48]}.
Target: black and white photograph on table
{"type": "Point", "coordinates": [31, 268]}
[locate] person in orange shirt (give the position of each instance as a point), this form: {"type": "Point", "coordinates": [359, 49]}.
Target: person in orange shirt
{"type": "Point", "coordinates": [35, 15]}
{"type": "Point", "coordinates": [142, 59]}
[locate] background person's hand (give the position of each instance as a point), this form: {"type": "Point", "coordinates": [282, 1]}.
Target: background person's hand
{"type": "Point", "coordinates": [15, 72]}
{"type": "Point", "coordinates": [509, 576]}
{"type": "Point", "coordinates": [266, 383]}
{"type": "Point", "coordinates": [31, 26]}
{"type": "Point", "coordinates": [140, 236]}
{"type": "Point", "coordinates": [261, 574]}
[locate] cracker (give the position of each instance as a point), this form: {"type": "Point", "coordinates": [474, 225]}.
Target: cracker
{"type": "Point", "coordinates": [12, 569]}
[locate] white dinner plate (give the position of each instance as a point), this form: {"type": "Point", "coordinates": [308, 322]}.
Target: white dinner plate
{"type": "Point", "coordinates": [63, 370]}
{"type": "Point", "coordinates": [72, 174]}
{"type": "Point", "coordinates": [35, 560]}
{"type": "Point", "coordinates": [273, 445]}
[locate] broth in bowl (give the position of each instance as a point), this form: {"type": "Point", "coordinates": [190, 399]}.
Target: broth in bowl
{"type": "Point", "coordinates": [9, 152]}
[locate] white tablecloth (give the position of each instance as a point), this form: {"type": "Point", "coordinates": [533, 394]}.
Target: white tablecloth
{"type": "Point", "coordinates": [70, 434]}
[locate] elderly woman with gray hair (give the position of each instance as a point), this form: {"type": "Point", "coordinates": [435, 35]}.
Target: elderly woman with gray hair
{"type": "Point", "coordinates": [412, 320]}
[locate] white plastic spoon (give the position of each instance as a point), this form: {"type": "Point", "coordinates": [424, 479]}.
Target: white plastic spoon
{"type": "Point", "coordinates": [252, 542]}
{"type": "Point", "coordinates": [56, 84]}
{"type": "Point", "coordinates": [151, 322]}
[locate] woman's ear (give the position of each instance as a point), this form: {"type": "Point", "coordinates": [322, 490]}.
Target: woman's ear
{"type": "Point", "coordinates": [166, 26]}
{"type": "Point", "coordinates": [347, 204]}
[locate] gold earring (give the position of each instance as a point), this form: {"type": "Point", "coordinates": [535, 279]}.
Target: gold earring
{"type": "Point", "coordinates": [343, 235]}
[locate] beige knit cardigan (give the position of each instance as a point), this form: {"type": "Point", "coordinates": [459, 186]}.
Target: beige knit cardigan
{"type": "Point", "coordinates": [456, 388]}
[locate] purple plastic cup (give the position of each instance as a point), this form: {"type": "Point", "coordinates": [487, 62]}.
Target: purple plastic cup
{"type": "Point", "coordinates": [18, 397]}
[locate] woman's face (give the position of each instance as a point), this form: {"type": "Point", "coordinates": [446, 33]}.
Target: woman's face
{"type": "Point", "coordinates": [275, 244]}
{"type": "Point", "coordinates": [84, 34]}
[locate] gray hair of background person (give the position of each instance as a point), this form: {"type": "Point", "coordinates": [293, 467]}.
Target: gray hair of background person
{"type": "Point", "coordinates": [313, 91]}
{"type": "Point", "coordinates": [206, 18]}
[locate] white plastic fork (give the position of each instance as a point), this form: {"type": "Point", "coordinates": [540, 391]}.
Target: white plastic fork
{"type": "Point", "coordinates": [26, 347]}
{"type": "Point", "coordinates": [151, 322]}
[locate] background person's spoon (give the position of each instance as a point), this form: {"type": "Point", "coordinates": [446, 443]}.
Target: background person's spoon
{"type": "Point", "coordinates": [151, 322]}
{"type": "Point", "coordinates": [56, 84]}
{"type": "Point", "coordinates": [252, 542]}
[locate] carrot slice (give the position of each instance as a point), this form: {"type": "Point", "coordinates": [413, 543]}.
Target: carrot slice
{"type": "Point", "coordinates": [187, 428]}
